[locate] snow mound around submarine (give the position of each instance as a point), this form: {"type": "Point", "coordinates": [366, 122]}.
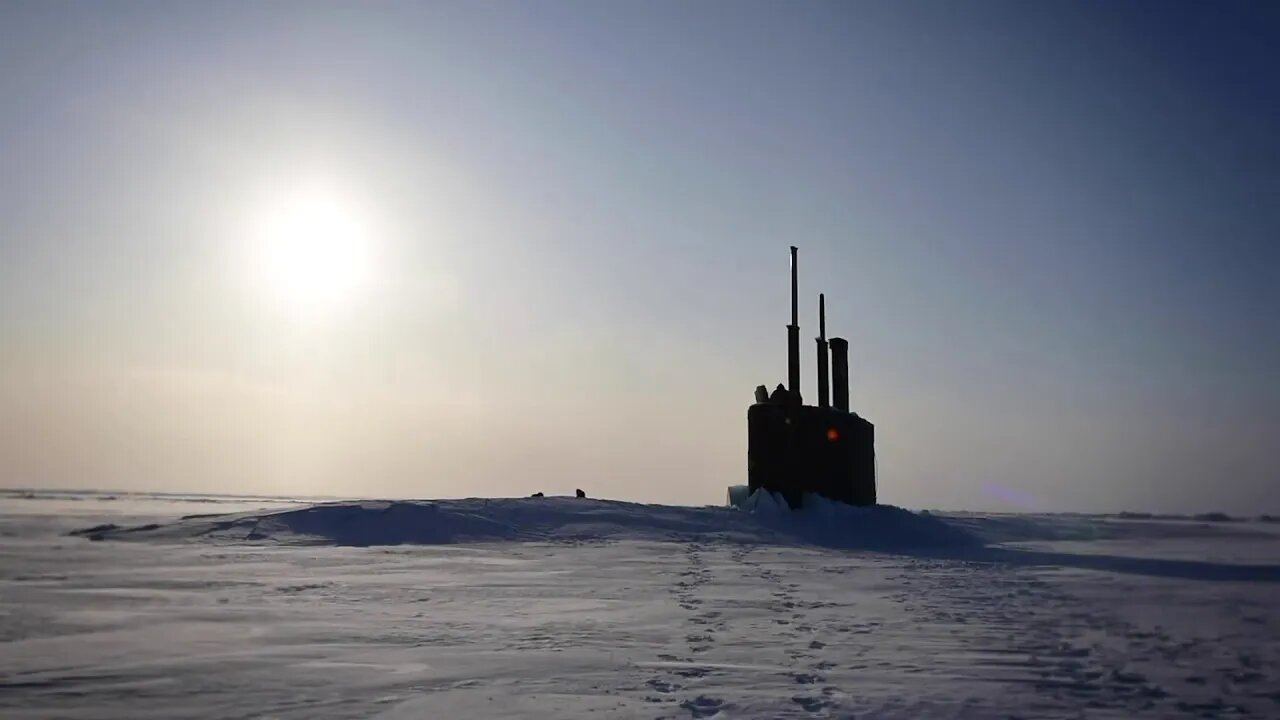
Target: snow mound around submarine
{"type": "Point", "coordinates": [824, 522]}
{"type": "Point", "coordinates": [759, 518]}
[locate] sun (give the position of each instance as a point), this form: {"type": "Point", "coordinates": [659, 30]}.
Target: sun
{"type": "Point", "coordinates": [313, 252]}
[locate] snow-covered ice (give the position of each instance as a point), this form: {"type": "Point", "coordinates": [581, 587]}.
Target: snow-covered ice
{"type": "Point", "coordinates": [115, 606]}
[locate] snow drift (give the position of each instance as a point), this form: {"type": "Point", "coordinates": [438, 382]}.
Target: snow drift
{"type": "Point", "coordinates": [758, 518]}
{"type": "Point", "coordinates": [260, 612]}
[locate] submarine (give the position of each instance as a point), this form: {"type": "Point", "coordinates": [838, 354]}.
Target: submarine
{"type": "Point", "coordinates": [826, 449]}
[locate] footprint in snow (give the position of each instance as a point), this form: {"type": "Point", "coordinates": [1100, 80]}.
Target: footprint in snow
{"type": "Point", "coordinates": [703, 706]}
{"type": "Point", "coordinates": [662, 686]}
{"type": "Point", "coordinates": [807, 678]}
{"type": "Point", "coordinates": [810, 704]}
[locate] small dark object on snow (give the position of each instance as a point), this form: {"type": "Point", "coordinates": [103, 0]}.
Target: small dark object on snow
{"type": "Point", "coordinates": [537, 494]}
{"type": "Point", "coordinates": [581, 494]}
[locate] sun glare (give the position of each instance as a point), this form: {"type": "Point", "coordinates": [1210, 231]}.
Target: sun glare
{"type": "Point", "coordinates": [314, 253]}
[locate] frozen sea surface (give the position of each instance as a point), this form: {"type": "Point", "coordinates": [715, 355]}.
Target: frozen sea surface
{"type": "Point", "coordinates": [200, 607]}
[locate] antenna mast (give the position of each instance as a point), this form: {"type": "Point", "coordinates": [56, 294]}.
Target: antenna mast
{"type": "Point", "coordinates": [793, 336]}
{"type": "Point", "coordinates": [822, 352]}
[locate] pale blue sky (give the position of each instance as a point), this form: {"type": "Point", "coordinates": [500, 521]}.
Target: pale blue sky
{"type": "Point", "coordinates": [1048, 230]}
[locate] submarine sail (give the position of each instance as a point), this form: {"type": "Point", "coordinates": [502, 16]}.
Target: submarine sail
{"type": "Point", "coordinates": [825, 449]}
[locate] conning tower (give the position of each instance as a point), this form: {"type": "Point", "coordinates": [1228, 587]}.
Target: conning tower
{"type": "Point", "coordinates": [824, 449]}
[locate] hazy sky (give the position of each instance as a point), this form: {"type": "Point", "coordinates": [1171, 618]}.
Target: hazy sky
{"type": "Point", "coordinates": [558, 245]}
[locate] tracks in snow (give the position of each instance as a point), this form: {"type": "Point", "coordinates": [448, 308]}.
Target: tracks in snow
{"type": "Point", "coordinates": [677, 680]}
{"type": "Point", "coordinates": [795, 632]}
{"type": "Point", "coordinates": [787, 653]}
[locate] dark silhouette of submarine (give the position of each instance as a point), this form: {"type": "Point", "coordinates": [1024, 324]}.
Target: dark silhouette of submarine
{"type": "Point", "coordinates": [796, 449]}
